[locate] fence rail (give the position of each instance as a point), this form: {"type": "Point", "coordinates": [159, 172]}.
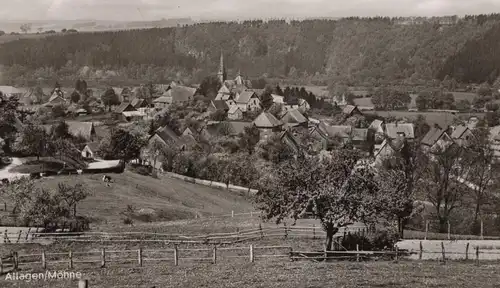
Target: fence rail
{"type": "Point", "coordinates": [211, 254]}
{"type": "Point", "coordinates": [311, 232]}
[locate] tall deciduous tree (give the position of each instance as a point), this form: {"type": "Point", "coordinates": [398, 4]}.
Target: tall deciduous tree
{"type": "Point", "coordinates": [443, 170]}
{"type": "Point", "coordinates": [109, 98]}
{"type": "Point", "coordinates": [335, 189]}
{"type": "Point", "coordinates": [71, 195]}
{"type": "Point", "coordinates": [33, 140]}
{"type": "Point", "coordinates": [209, 87]}
{"type": "Point", "coordinates": [249, 139]}
{"type": "Point", "coordinates": [121, 144]}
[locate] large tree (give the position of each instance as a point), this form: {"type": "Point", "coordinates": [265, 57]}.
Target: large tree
{"type": "Point", "coordinates": [33, 140]}
{"type": "Point", "coordinates": [209, 87]}
{"type": "Point", "coordinates": [109, 98]}
{"type": "Point", "coordinates": [334, 188]}
{"type": "Point", "coordinates": [444, 169]}
{"type": "Point", "coordinates": [121, 144]}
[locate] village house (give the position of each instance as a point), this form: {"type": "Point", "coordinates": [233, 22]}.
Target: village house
{"type": "Point", "coordinates": [377, 126]}
{"type": "Point", "coordinates": [388, 148]}
{"type": "Point", "coordinates": [10, 91]}
{"type": "Point", "coordinates": [436, 138]}
{"type": "Point", "coordinates": [278, 99]}
{"type": "Point", "coordinates": [294, 118]}
{"type": "Point", "coordinates": [267, 121]}
{"type": "Point", "coordinates": [394, 130]}
{"type": "Point", "coordinates": [235, 113]}
{"type": "Point", "coordinates": [494, 137]}
{"type": "Point", "coordinates": [90, 150]}
{"type": "Point", "coordinates": [162, 102]}
{"type": "Point", "coordinates": [57, 98]}
{"type": "Point", "coordinates": [138, 103]}
{"type": "Point", "coordinates": [351, 110]}
{"type": "Point", "coordinates": [182, 94]}
{"type": "Point", "coordinates": [217, 105]}
{"type": "Point", "coordinates": [86, 130]}
{"type": "Point", "coordinates": [248, 101]}
{"type": "Point", "coordinates": [462, 135]}
{"type": "Point", "coordinates": [303, 105]}
{"type": "Point", "coordinates": [131, 116]}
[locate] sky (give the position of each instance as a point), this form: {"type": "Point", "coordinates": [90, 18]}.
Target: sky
{"type": "Point", "coordinates": [137, 10]}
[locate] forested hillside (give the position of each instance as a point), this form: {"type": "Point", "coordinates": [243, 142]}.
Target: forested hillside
{"type": "Point", "coordinates": [356, 51]}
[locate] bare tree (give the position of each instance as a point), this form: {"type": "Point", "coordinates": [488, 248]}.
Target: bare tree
{"type": "Point", "coordinates": [25, 28]}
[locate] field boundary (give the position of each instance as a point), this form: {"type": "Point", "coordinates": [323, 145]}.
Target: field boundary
{"type": "Point", "coordinates": [212, 255]}
{"type": "Point", "coordinates": [215, 238]}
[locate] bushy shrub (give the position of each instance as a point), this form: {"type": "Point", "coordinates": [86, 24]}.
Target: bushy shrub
{"type": "Point", "coordinates": [379, 240]}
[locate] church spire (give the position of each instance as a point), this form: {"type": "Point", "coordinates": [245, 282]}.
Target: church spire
{"type": "Point", "coordinates": [221, 75]}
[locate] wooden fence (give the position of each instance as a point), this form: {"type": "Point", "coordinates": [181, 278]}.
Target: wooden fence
{"type": "Point", "coordinates": [211, 255]}
{"type": "Point", "coordinates": [285, 232]}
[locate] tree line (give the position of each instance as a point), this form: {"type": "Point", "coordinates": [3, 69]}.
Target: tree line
{"type": "Point", "coordinates": [309, 51]}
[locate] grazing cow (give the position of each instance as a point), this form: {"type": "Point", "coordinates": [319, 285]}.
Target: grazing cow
{"type": "Point", "coordinates": [5, 181]}
{"type": "Point", "coordinates": [106, 178]}
{"type": "Point", "coordinates": [79, 172]}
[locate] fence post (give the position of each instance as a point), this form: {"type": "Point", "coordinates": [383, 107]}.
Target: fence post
{"type": "Point", "coordinates": [27, 234]}
{"type": "Point", "coordinates": [314, 231]}
{"type": "Point", "coordinates": [449, 231]}
{"type": "Point", "coordinates": [103, 257]}
{"type": "Point", "coordinates": [83, 283]}
{"type": "Point", "coordinates": [70, 259]}
{"type": "Point", "coordinates": [467, 251]}
{"type": "Point", "coordinates": [5, 206]}
{"type": "Point", "coordinates": [251, 253]}
{"type": "Point", "coordinates": [482, 230]}
{"type": "Point", "coordinates": [1, 265]}
{"type": "Point", "coordinates": [397, 254]}
{"type": "Point", "coordinates": [44, 260]}
{"type": "Point", "coordinates": [426, 229]}
{"type": "Point", "coordinates": [357, 254]}
{"type": "Point", "coordinates": [421, 251]}
{"type": "Point", "coordinates": [19, 236]}
{"type": "Point", "coordinates": [286, 231]}
{"type": "Point", "coordinates": [16, 260]}
{"type": "Point", "coordinates": [176, 255]}
{"type": "Point", "coordinates": [214, 254]}
{"type": "Point", "coordinates": [237, 234]}
{"type": "Point", "coordinates": [139, 257]}
{"type": "Point", "coordinates": [232, 213]}
{"type": "Point", "coordinates": [443, 252]}
{"type": "Point", "coordinates": [261, 232]}
{"type": "Point", "coordinates": [477, 255]}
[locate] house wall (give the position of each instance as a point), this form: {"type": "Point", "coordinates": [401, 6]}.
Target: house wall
{"type": "Point", "coordinates": [243, 106]}
{"type": "Point", "coordinates": [87, 153]}
{"type": "Point", "coordinates": [254, 104]}
{"type": "Point", "coordinates": [235, 116]}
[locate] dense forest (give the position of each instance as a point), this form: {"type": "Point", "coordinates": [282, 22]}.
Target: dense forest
{"type": "Point", "coordinates": [354, 51]}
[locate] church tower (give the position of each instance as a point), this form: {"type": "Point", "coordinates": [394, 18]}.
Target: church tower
{"type": "Point", "coordinates": [221, 75]}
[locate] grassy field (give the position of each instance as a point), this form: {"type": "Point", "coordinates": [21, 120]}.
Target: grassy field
{"type": "Point", "coordinates": [9, 38]}
{"type": "Point", "coordinates": [264, 273]}
{"type": "Point", "coordinates": [165, 198]}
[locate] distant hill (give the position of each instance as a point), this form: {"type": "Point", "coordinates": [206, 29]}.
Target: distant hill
{"type": "Point", "coordinates": [357, 51]}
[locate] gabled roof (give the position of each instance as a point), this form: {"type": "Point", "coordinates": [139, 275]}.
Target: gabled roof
{"type": "Point", "coordinates": [336, 130]}
{"type": "Point", "coordinates": [224, 97]}
{"type": "Point", "coordinates": [393, 130]}
{"type": "Point", "coordinates": [93, 146]}
{"type": "Point", "coordinates": [348, 109]}
{"type": "Point", "coordinates": [219, 104]}
{"type": "Point", "coordinates": [84, 129]}
{"type": "Point", "coordinates": [182, 93]}
{"type": "Point", "coordinates": [233, 109]}
{"type": "Point", "coordinates": [433, 136]}
{"type": "Point", "coordinates": [224, 90]}
{"type": "Point", "coordinates": [245, 96]}
{"type": "Point", "coordinates": [163, 99]}
{"type": "Point", "coordinates": [137, 102]}
{"type": "Point", "coordinates": [10, 90]}
{"type": "Point", "coordinates": [267, 120]}
{"type": "Point", "coordinates": [118, 91]}
{"type": "Point", "coordinates": [359, 134]}
{"type": "Point", "coordinates": [167, 135]}
{"type": "Point", "coordinates": [277, 98]}
{"type": "Point", "coordinates": [293, 116]}
{"type": "Point", "coordinates": [459, 131]}
{"type": "Point", "coordinates": [125, 106]}
{"type": "Point", "coordinates": [376, 124]}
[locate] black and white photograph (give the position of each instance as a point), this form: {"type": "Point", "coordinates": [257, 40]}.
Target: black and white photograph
{"type": "Point", "coordinates": [246, 144]}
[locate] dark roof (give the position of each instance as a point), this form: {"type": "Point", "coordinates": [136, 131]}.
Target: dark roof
{"type": "Point", "coordinates": [220, 104]}
{"type": "Point", "coordinates": [359, 134]}
{"type": "Point", "coordinates": [348, 109]}
{"type": "Point", "coordinates": [137, 102]}
{"type": "Point", "coordinates": [182, 93]}
{"type": "Point", "coordinates": [167, 134]}
{"type": "Point", "coordinates": [432, 136]}
{"type": "Point", "coordinates": [125, 106]}
{"type": "Point", "coordinates": [458, 131]}
{"type": "Point", "coordinates": [93, 146]}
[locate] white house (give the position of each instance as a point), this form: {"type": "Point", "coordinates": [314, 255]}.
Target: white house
{"type": "Point", "coordinates": [235, 113]}
{"type": "Point", "coordinates": [248, 101]}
